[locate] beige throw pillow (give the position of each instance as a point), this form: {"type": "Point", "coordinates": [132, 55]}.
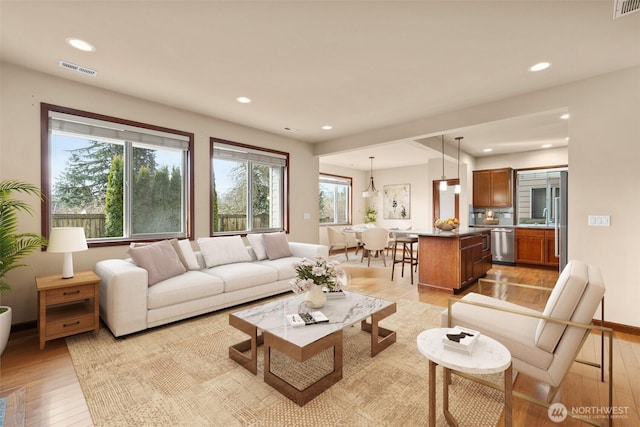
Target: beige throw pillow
{"type": "Point", "coordinates": [223, 250]}
{"type": "Point", "coordinates": [256, 242]}
{"type": "Point", "coordinates": [185, 253]}
{"type": "Point", "coordinates": [159, 259]}
{"type": "Point", "coordinates": [276, 245]}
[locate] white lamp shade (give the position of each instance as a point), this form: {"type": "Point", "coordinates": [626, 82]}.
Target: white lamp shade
{"type": "Point", "coordinates": [67, 239]}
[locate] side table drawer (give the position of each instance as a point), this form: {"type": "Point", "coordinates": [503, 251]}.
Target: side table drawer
{"type": "Point", "coordinates": [72, 293]}
{"type": "Point", "coordinates": [70, 326]}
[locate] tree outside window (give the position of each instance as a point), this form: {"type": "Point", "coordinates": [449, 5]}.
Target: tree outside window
{"type": "Point", "coordinates": [248, 192]}
{"type": "Point", "coordinates": [335, 199]}
{"type": "Point", "coordinates": [91, 162]}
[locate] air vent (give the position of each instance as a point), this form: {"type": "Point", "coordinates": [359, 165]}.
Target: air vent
{"type": "Point", "coordinates": [77, 68]}
{"type": "Point", "coordinates": [624, 7]}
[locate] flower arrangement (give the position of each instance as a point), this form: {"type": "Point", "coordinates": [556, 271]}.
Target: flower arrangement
{"type": "Point", "coordinates": [318, 272]}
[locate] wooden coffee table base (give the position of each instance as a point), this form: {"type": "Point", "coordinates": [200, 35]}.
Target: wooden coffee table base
{"type": "Point", "coordinates": [246, 352]}
{"type": "Point", "coordinates": [301, 354]}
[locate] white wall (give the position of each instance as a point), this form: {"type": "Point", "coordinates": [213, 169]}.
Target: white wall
{"type": "Point", "coordinates": [531, 159]}
{"type": "Point", "coordinates": [22, 92]}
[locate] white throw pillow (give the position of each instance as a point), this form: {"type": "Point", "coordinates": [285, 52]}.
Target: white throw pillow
{"type": "Point", "coordinates": [258, 245]}
{"type": "Point", "coordinates": [276, 245]}
{"type": "Point", "coordinates": [223, 250]}
{"type": "Point", "coordinates": [159, 259]}
{"type": "Point", "coordinates": [186, 254]}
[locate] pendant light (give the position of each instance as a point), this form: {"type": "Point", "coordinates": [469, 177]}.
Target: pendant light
{"type": "Point", "coordinates": [458, 187]}
{"type": "Point", "coordinates": [443, 181]}
{"type": "Point", "coordinates": [371, 189]}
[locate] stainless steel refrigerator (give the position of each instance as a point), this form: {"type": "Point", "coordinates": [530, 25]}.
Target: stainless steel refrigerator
{"type": "Point", "coordinates": [560, 219]}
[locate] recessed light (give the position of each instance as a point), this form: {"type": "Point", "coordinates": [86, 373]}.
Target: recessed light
{"type": "Point", "coordinates": [81, 45]}
{"type": "Point", "coordinates": [547, 145]}
{"type": "Point", "coordinates": [243, 99]}
{"type": "Point", "coordinates": [327, 127]}
{"type": "Point", "coordinates": [540, 66]}
{"type": "Point", "coordinates": [565, 116]}
{"type": "Point", "coordinates": [488, 150]}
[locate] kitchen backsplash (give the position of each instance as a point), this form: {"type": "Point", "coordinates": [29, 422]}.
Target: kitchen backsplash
{"type": "Point", "coordinates": [504, 216]}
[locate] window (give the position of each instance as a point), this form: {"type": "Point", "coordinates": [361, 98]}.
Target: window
{"type": "Point", "coordinates": [335, 199]}
{"type": "Point", "coordinates": [249, 186]}
{"type": "Point", "coordinates": [118, 179]}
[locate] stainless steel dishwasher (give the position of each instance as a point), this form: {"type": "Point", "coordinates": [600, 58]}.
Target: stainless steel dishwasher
{"type": "Point", "coordinates": [503, 244]}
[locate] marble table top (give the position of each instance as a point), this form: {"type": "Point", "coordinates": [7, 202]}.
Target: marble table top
{"type": "Point", "coordinates": [488, 355]}
{"type": "Point", "coordinates": [342, 312]}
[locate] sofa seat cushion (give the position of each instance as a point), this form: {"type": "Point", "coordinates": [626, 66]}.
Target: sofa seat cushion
{"type": "Point", "coordinates": [284, 266]}
{"type": "Point", "coordinates": [242, 275]}
{"type": "Point", "coordinates": [518, 338]}
{"type": "Point", "coordinates": [189, 286]}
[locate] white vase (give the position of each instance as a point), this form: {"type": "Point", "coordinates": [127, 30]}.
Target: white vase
{"type": "Point", "coordinates": [5, 327]}
{"type": "Point", "coordinates": [315, 298]}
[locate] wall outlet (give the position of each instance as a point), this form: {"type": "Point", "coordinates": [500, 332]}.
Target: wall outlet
{"type": "Point", "coordinates": [307, 215]}
{"type": "Point", "coordinates": [599, 220]}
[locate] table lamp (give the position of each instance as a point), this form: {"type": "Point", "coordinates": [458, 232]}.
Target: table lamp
{"type": "Point", "coordinates": [67, 240]}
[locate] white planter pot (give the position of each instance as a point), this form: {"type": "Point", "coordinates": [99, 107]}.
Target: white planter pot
{"type": "Point", "coordinates": [5, 327]}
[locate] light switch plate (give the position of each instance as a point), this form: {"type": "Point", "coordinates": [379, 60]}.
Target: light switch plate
{"type": "Point", "coordinates": [599, 220]}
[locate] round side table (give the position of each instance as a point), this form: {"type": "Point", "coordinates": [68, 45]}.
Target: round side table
{"type": "Point", "coordinates": [487, 357]}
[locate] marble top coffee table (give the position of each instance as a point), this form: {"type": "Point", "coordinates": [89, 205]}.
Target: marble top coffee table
{"type": "Point", "coordinates": [304, 342]}
{"type": "Point", "coordinates": [488, 357]}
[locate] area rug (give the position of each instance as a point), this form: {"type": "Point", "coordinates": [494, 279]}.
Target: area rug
{"type": "Point", "coordinates": [181, 375]}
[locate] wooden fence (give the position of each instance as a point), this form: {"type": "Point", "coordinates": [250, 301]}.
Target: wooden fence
{"type": "Point", "coordinates": [93, 224]}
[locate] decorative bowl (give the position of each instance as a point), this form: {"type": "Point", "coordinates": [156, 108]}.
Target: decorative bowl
{"type": "Point", "coordinates": [447, 227]}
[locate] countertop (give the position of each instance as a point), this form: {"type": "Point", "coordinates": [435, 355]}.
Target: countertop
{"type": "Point", "coordinates": [540, 226]}
{"type": "Point", "coordinates": [435, 232]}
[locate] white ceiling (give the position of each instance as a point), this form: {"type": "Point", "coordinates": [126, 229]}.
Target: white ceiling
{"type": "Point", "coordinates": [355, 65]}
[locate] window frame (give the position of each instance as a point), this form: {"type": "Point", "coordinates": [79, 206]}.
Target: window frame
{"type": "Point", "coordinates": [349, 218]}
{"type": "Point", "coordinates": [45, 171]}
{"type": "Point", "coordinates": [285, 187]}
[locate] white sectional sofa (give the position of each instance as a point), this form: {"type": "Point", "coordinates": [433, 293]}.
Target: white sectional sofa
{"type": "Point", "coordinates": [221, 274]}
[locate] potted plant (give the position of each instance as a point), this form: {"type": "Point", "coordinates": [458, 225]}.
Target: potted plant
{"type": "Point", "coordinates": [370, 215]}
{"type": "Point", "coordinates": [13, 245]}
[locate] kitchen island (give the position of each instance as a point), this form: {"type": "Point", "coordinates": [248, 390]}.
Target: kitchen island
{"type": "Point", "coordinates": [452, 260]}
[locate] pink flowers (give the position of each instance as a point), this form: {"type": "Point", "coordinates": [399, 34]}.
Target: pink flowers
{"type": "Point", "coordinates": [318, 272]}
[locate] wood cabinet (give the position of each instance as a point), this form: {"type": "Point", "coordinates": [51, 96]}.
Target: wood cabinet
{"type": "Point", "coordinates": [454, 261]}
{"type": "Point", "coordinates": [536, 246]}
{"type": "Point", "coordinates": [492, 188]}
{"type": "Point", "coordinates": [67, 306]}
{"type": "Point", "coordinates": [550, 257]}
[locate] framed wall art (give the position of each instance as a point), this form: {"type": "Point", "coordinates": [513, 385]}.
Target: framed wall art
{"type": "Point", "coordinates": [396, 203]}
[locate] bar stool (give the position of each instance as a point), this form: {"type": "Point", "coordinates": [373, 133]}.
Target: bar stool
{"type": "Point", "coordinates": [407, 255]}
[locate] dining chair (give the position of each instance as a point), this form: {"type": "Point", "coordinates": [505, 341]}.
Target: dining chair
{"type": "Point", "coordinates": [338, 240]}
{"type": "Point", "coordinates": [374, 242]}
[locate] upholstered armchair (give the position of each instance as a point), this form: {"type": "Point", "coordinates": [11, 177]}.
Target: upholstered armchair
{"type": "Point", "coordinates": [543, 344]}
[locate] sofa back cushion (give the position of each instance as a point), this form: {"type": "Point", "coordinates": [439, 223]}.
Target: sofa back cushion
{"type": "Point", "coordinates": [185, 253]}
{"type": "Point", "coordinates": [223, 250]}
{"type": "Point", "coordinates": [276, 245]}
{"type": "Point", "coordinates": [159, 259]}
{"type": "Point", "coordinates": [561, 304]}
{"type": "Point", "coordinates": [255, 240]}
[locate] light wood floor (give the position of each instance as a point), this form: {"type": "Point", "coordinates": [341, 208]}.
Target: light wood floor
{"type": "Point", "coordinates": [54, 397]}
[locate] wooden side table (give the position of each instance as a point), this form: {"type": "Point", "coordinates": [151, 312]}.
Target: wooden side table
{"type": "Point", "coordinates": [67, 306]}
{"type": "Point", "coordinates": [488, 357]}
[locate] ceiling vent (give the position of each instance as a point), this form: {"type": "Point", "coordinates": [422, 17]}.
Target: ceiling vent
{"type": "Point", "coordinates": [624, 7]}
{"type": "Point", "coordinates": [77, 68]}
